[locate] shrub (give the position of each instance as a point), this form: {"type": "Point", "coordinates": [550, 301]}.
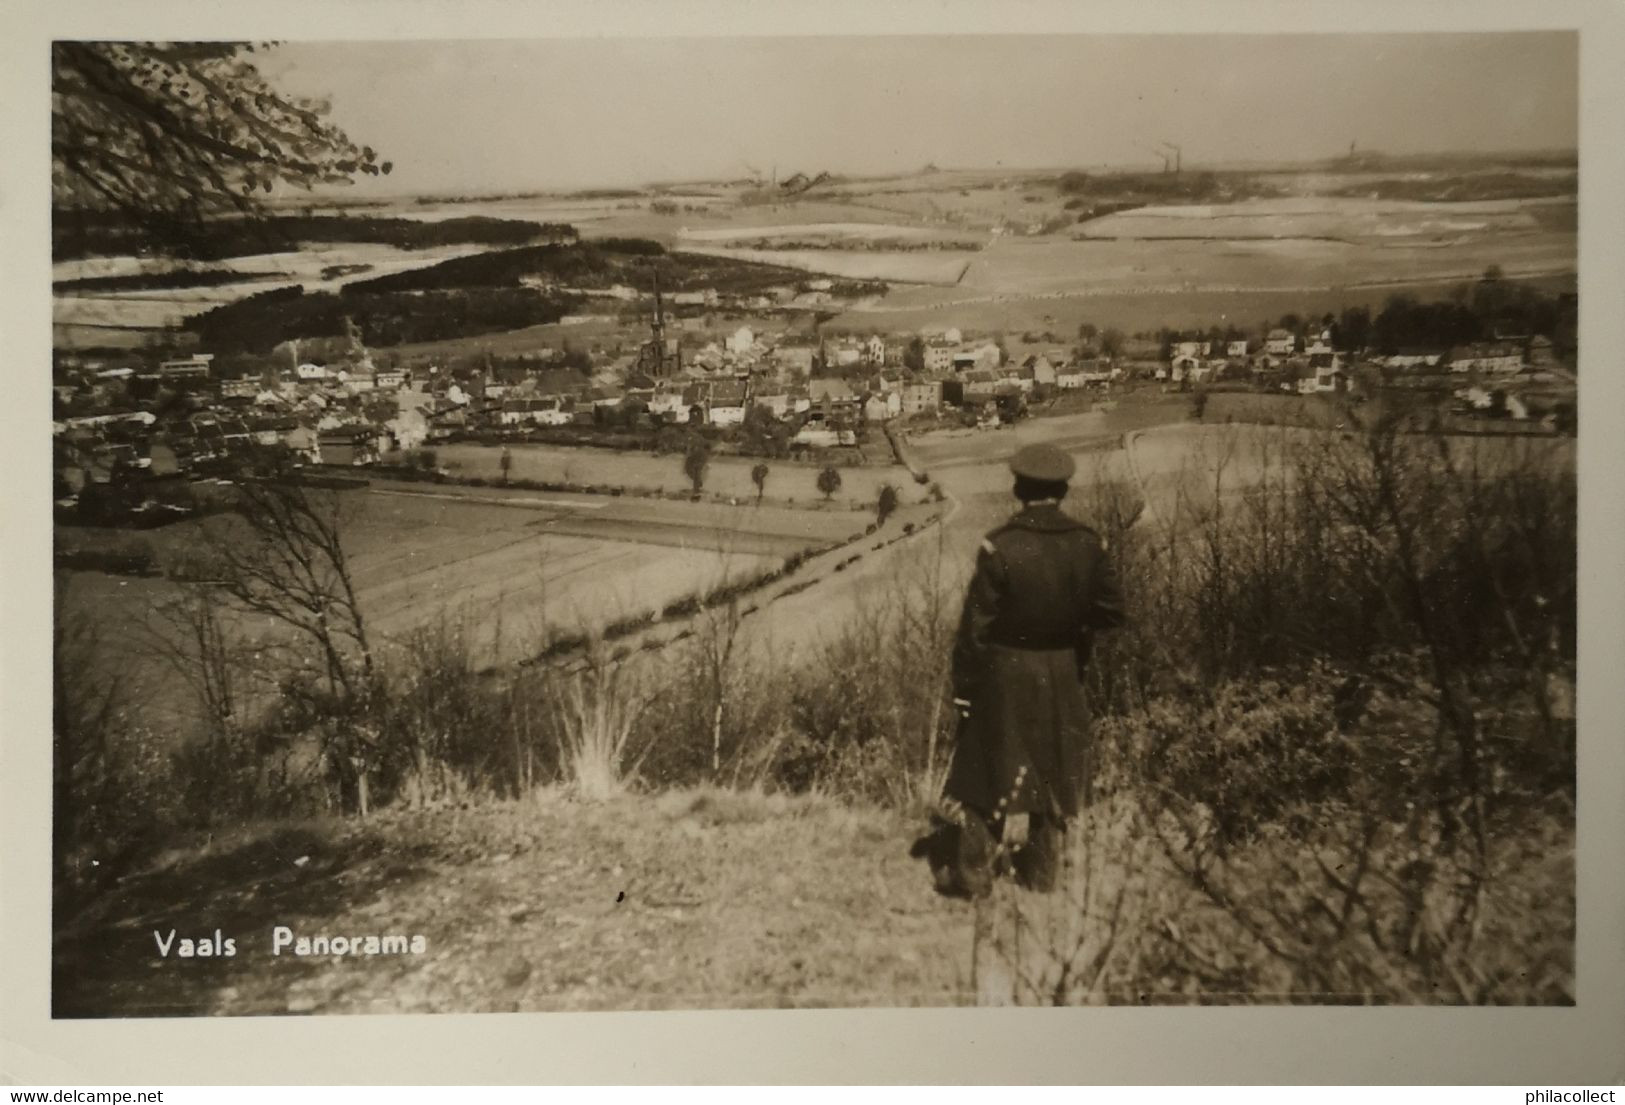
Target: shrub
{"type": "Point", "coordinates": [829, 481]}
{"type": "Point", "coordinates": [598, 714]}
{"type": "Point", "coordinates": [681, 608]}
{"type": "Point", "coordinates": [887, 503]}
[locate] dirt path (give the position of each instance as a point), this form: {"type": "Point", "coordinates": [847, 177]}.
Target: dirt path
{"type": "Point", "coordinates": [686, 900]}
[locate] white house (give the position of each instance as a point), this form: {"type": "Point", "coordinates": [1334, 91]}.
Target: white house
{"type": "Point", "coordinates": [409, 427]}
{"type": "Point", "coordinates": [741, 342]}
{"type": "Point", "coordinates": [1280, 342]}
{"type": "Point", "coordinates": [922, 398]}
{"type": "Point", "coordinates": [1070, 377]}
{"type": "Point", "coordinates": [875, 349]}
{"type": "Point", "coordinates": [728, 404]}
{"type": "Point", "coordinates": [1099, 371]}
{"type": "Point", "coordinates": [1043, 367]}
{"type": "Point", "coordinates": [817, 432]}
{"type": "Point", "coordinates": [518, 412]}
{"type": "Point", "coordinates": [882, 406]}
{"type": "Point", "coordinates": [1236, 348]}
{"type": "Point", "coordinates": [669, 406]}
{"type": "Point", "coordinates": [308, 371]}
{"type": "Point", "coordinates": [1329, 372]}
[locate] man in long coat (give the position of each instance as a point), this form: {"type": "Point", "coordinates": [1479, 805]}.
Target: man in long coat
{"type": "Point", "coordinates": [1043, 587]}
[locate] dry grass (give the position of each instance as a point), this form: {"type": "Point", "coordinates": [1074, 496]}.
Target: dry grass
{"type": "Point", "coordinates": [598, 714]}
{"type": "Point", "coordinates": [695, 899]}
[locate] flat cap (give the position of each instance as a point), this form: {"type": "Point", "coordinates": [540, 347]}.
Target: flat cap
{"type": "Point", "coordinates": [1043, 462]}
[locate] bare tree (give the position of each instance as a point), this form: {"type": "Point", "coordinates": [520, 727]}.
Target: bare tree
{"type": "Point", "coordinates": [187, 633]}
{"type": "Point", "coordinates": [281, 555]}
{"type": "Point", "coordinates": [166, 134]}
{"type": "Point", "coordinates": [291, 566]}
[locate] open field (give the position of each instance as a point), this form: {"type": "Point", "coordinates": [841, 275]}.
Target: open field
{"type": "Point", "coordinates": [1212, 263]}
{"type": "Point", "coordinates": [509, 568]}
{"type": "Point", "coordinates": [81, 319]}
{"type": "Point", "coordinates": [855, 232]}
{"type": "Point", "coordinates": [1169, 459]}
{"type": "Point", "coordinates": [904, 266]}
{"type": "Point", "coordinates": [1344, 218]}
{"type": "Point", "coordinates": [1134, 269]}
{"type": "Point", "coordinates": [787, 481]}
{"type": "Point", "coordinates": [905, 309]}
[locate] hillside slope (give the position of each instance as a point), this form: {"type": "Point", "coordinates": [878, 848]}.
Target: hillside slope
{"type": "Point", "coordinates": [686, 900]}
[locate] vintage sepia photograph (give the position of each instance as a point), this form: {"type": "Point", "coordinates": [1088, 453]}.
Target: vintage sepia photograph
{"type": "Point", "coordinates": [617, 523]}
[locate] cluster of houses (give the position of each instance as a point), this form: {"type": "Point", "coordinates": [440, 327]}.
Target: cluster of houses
{"type": "Point", "coordinates": [326, 401]}
{"type": "Point", "coordinates": [1482, 374]}
{"type": "Point", "coordinates": [202, 430]}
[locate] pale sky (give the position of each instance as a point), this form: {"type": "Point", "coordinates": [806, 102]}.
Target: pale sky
{"type": "Point", "coordinates": [564, 113]}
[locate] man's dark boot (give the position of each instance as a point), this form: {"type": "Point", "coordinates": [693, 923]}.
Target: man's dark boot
{"type": "Point", "coordinates": [1038, 863]}
{"type": "Point", "coordinates": [975, 860]}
